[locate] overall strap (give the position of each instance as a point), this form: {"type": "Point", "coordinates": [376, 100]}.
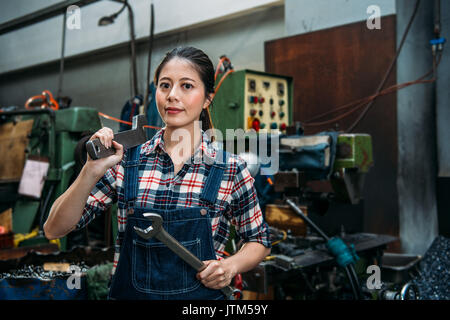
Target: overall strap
{"type": "Point", "coordinates": [131, 173]}
{"type": "Point", "coordinates": [212, 184]}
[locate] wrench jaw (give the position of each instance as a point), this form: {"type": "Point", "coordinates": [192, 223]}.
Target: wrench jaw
{"type": "Point", "coordinates": [154, 229]}
{"type": "Point", "coordinates": [138, 124]}
{"type": "Point", "coordinates": [147, 233]}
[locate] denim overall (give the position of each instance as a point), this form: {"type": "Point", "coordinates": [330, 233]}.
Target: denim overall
{"type": "Point", "coordinates": [147, 269]}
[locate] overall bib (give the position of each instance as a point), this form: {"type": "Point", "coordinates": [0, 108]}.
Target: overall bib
{"type": "Point", "coordinates": [147, 269]}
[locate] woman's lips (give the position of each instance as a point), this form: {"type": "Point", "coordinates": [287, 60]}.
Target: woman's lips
{"type": "Point", "coordinates": [173, 110]}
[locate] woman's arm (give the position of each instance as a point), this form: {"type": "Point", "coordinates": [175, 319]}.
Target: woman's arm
{"type": "Point", "coordinates": [67, 210]}
{"type": "Point", "coordinates": [219, 273]}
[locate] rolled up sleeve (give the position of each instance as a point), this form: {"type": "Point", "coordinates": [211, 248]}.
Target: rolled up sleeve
{"type": "Point", "coordinates": [100, 198]}
{"type": "Point", "coordinates": [249, 221]}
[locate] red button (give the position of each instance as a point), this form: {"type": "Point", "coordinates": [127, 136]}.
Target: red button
{"type": "Point", "coordinates": [283, 126]}
{"type": "Point", "coordinates": [272, 114]}
{"type": "Point", "coordinates": [252, 112]}
{"type": "Point", "coordinates": [255, 124]}
{"type": "Point", "coordinates": [261, 100]}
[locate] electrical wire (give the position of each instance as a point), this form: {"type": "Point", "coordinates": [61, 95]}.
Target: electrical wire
{"type": "Point", "coordinates": [219, 65]}
{"type": "Point", "coordinates": [379, 92]}
{"type": "Point", "coordinates": [150, 49]}
{"type": "Point", "coordinates": [61, 63]}
{"type": "Point", "coordinates": [386, 76]}
{"type": "Point", "coordinates": [352, 283]}
{"type": "Point", "coordinates": [123, 121]}
{"type": "Point", "coordinates": [280, 240]}
{"type": "Point", "coordinates": [361, 102]}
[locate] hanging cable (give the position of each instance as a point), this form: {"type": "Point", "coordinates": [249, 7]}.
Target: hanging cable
{"type": "Point", "coordinates": [386, 76]}
{"type": "Point", "coordinates": [361, 102]}
{"type": "Point", "coordinates": [61, 61]}
{"type": "Point", "coordinates": [123, 121]}
{"type": "Point", "coordinates": [149, 59]}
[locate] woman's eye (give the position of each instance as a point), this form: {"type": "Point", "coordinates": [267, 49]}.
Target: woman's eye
{"type": "Point", "coordinates": [164, 85]}
{"type": "Point", "coordinates": [187, 85]}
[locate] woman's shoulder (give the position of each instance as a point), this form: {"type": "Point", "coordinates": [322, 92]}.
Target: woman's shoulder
{"type": "Point", "coordinates": [237, 167]}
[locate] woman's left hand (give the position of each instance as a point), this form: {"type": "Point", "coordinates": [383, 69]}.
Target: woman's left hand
{"type": "Point", "coordinates": [217, 274]}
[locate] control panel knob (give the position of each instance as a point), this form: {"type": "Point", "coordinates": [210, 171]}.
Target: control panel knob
{"type": "Point", "coordinates": [273, 125]}
{"type": "Point", "coordinates": [256, 124]}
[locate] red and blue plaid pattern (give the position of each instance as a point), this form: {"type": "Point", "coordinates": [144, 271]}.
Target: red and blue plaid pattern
{"type": "Point", "coordinates": [159, 188]}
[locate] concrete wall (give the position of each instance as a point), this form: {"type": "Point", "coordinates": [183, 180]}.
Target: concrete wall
{"type": "Point", "coordinates": [417, 165]}
{"type": "Point", "coordinates": [306, 16]}
{"type": "Point", "coordinates": [443, 100]}
{"type": "Point", "coordinates": [44, 38]}
{"type": "Point", "coordinates": [103, 80]}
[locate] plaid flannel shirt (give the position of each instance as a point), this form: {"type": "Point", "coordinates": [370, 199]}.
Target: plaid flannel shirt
{"type": "Point", "coordinates": [236, 203]}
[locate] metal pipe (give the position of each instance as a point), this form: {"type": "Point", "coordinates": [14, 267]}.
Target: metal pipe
{"type": "Point", "coordinates": [41, 15]}
{"type": "Point", "coordinates": [355, 280]}
{"type": "Point", "coordinates": [61, 64]}
{"type": "Point", "coordinates": [308, 221]}
{"type": "Point", "coordinates": [349, 270]}
{"type": "Point", "coordinates": [150, 49]}
{"type": "Point", "coordinates": [352, 284]}
{"type": "Point", "coordinates": [132, 45]}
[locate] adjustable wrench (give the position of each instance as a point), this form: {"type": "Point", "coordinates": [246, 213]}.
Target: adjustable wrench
{"type": "Point", "coordinates": [128, 139]}
{"type": "Point", "coordinates": [156, 230]}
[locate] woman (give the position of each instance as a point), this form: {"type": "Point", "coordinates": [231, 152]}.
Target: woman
{"type": "Point", "coordinates": [198, 190]}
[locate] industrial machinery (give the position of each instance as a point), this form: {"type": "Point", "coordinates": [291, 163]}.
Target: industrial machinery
{"type": "Point", "coordinates": [39, 162]}
{"type": "Point", "coordinates": [305, 263]}
{"type": "Point", "coordinates": [312, 172]}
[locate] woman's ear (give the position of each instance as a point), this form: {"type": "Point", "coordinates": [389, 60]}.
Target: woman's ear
{"type": "Point", "coordinates": [208, 101]}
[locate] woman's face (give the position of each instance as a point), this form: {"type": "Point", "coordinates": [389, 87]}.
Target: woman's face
{"type": "Point", "coordinates": [180, 95]}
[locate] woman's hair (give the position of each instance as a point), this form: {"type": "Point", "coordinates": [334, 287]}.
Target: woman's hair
{"type": "Point", "coordinates": [201, 62]}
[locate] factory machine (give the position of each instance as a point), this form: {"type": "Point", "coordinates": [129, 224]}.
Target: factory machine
{"type": "Point", "coordinates": [305, 263]}
{"type": "Point", "coordinates": [41, 157]}
{"type": "Point", "coordinates": [43, 151]}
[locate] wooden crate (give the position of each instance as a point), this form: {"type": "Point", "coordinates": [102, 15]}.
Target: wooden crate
{"type": "Point", "coordinates": [284, 218]}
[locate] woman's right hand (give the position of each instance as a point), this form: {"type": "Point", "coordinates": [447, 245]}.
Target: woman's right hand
{"type": "Point", "coordinates": [99, 167]}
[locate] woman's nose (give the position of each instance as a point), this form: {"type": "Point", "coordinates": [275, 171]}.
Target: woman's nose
{"type": "Point", "coordinates": [173, 94]}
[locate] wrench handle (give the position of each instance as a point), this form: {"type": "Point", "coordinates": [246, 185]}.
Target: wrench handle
{"type": "Point", "coordinates": [97, 150]}
{"type": "Point", "coordinates": [180, 250]}
{"type": "Point", "coordinates": [187, 256]}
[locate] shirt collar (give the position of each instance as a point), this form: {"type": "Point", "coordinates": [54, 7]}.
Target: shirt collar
{"type": "Point", "coordinates": [156, 144]}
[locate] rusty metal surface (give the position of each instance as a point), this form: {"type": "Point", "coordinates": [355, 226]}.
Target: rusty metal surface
{"type": "Point", "coordinates": [17, 253]}
{"type": "Point", "coordinates": [90, 256]}
{"type": "Point", "coordinates": [331, 68]}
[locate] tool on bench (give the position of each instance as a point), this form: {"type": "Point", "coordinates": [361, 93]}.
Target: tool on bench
{"type": "Point", "coordinates": [128, 139]}
{"type": "Point", "coordinates": [156, 230]}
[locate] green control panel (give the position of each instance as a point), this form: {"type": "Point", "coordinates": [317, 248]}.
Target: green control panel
{"type": "Point", "coordinates": [256, 100]}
